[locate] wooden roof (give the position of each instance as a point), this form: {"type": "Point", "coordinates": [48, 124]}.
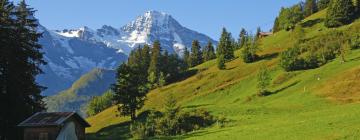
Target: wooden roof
{"type": "Point", "coordinates": [42, 119]}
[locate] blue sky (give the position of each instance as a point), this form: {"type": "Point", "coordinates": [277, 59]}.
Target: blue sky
{"type": "Point", "coordinates": [205, 16]}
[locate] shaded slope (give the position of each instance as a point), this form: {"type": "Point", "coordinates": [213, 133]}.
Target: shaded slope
{"type": "Point", "coordinates": [94, 83]}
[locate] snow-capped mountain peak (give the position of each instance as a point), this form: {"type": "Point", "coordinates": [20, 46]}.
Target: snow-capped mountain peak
{"type": "Point", "coordinates": [73, 52]}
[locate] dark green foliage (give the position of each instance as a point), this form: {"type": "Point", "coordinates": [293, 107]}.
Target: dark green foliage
{"type": "Point", "coordinates": [186, 58]}
{"type": "Point", "coordinates": [225, 46]}
{"type": "Point", "coordinates": [355, 42]}
{"type": "Point", "coordinates": [356, 4]}
{"type": "Point", "coordinates": [257, 35]}
{"type": "Point", "coordinates": [242, 38]}
{"type": "Point", "coordinates": [340, 12]}
{"type": "Point", "coordinates": [264, 80]}
{"type": "Point", "coordinates": [322, 4]}
{"type": "Point", "coordinates": [154, 68]}
{"type": "Point", "coordinates": [208, 52]}
{"type": "Point", "coordinates": [248, 53]}
{"type": "Point", "coordinates": [98, 104]}
{"type": "Point", "coordinates": [289, 59]}
{"type": "Point", "coordinates": [289, 17]}
{"type": "Point", "coordinates": [221, 62]}
{"type": "Point", "coordinates": [20, 61]}
{"type": "Point", "coordinates": [171, 122]}
{"type": "Point", "coordinates": [310, 7]}
{"type": "Point", "coordinates": [314, 53]}
{"type": "Point", "coordinates": [276, 27]}
{"type": "Point", "coordinates": [196, 55]}
{"type": "Point", "coordinates": [130, 90]}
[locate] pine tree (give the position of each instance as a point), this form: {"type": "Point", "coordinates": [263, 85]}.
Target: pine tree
{"type": "Point", "coordinates": [249, 52]}
{"type": "Point", "coordinates": [258, 31]}
{"type": "Point", "coordinates": [186, 58]}
{"type": "Point", "coordinates": [20, 61]}
{"type": "Point", "coordinates": [195, 56]}
{"type": "Point", "coordinates": [276, 27]}
{"type": "Point", "coordinates": [289, 17]}
{"type": "Point", "coordinates": [154, 68]}
{"type": "Point", "coordinates": [221, 62]}
{"type": "Point", "coordinates": [129, 91]}
{"type": "Point", "coordinates": [146, 57]}
{"type": "Point", "coordinates": [340, 12]}
{"type": "Point", "coordinates": [242, 38]}
{"type": "Point", "coordinates": [310, 7]}
{"type": "Point", "coordinates": [225, 46]}
{"type": "Point", "coordinates": [208, 52]}
{"type": "Point", "coordinates": [164, 68]}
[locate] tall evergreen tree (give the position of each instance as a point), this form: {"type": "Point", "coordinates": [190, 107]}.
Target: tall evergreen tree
{"type": "Point", "coordinates": [258, 31]}
{"type": "Point", "coordinates": [340, 12]}
{"type": "Point", "coordinates": [20, 61]}
{"type": "Point", "coordinates": [289, 17]}
{"type": "Point", "coordinates": [208, 52]}
{"type": "Point", "coordinates": [310, 7]}
{"type": "Point", "coordinates": [186, 58]}
{"type": "Point", "coordinates": [225, 46]}
{"type": "Point", "coordinates": [146, 57]}
{"type": "Point", "coordinates": [195, 56]}
{"type": "Point", "coordinates": [276, 27]}
{"type": "Point", "coordinates": [130, 91]}
{"type": "Point", "coordinates": [242, 38]}
{"type": "Point", "coordinates": [154, 68]}
{"type": "Point", "coordinates": [221, 62]}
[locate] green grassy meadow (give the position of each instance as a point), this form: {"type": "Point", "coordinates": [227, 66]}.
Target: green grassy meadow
{"type": "Point", "coordinates": [316, 104]}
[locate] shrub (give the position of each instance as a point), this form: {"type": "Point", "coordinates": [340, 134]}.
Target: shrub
{"type": "Point", "coordinates": [138, 130]}
{"type": "Point", "coordinates": [355, 42]}
{"type": "Point", "coordinates": [340, 12]}
{"type": "Point", "coordinates": [290, 61]}
{"type": "Point", "coordinates": [172, 123]}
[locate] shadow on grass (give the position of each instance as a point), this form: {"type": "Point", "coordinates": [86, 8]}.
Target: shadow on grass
{"type": "Point", "coordinates": [196, 106]}
{"type": "Point", "coordinates": [311, 23]}
{"type": "Point", "coordinates": [279, 90]}
{"type": "Point", "coordinates": [286, 87]}
{"type": "Point", "coordinates": [184, 75]}
{"type": "Point", "coordinates": [355, 59]}
{"type": "Point", "coordinates": [112, 132]}
{"type": "Point", "coordinates": [268, 56]}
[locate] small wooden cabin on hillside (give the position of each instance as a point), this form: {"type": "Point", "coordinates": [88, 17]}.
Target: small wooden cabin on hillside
{"type": "Point", "coordinates": [54, 126]}
{"type": "Point", "coordinates": [265, 34]}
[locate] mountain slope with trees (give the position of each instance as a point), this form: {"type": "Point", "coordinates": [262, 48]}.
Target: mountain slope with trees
{"type": "Point", "coordinates": [311, 102]}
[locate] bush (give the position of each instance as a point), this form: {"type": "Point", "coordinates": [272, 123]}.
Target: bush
{"type": "Point", "coordinates": [138, 130]}
{"type": "Point", "coordinates": [249, 53]}
{"type": "Point", "coordinates": [355, 42]}
{"type": "Point", "coordinates": [290, 61]}
{"type": "Point", "coordinates": [172, 123]}
{"type": "Point", "coordinates": [340, 12]}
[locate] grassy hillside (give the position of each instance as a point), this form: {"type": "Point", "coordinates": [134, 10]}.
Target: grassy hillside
{"type": "Point", "coordinates": [319, 103]}
{"type": "Point", "coordinates": [94, 83]}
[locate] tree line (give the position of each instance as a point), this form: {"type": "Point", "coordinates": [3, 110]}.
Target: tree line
{"type": "Point", "coordinates": [339, 12]}
{"type": "Point", "coordinates": [20, 61]}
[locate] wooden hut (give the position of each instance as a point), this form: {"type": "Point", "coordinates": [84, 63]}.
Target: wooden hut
{"type": "Point", "coordinates": [265, 34]}
{"type": "Point", "coordinates": [54, 126]}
